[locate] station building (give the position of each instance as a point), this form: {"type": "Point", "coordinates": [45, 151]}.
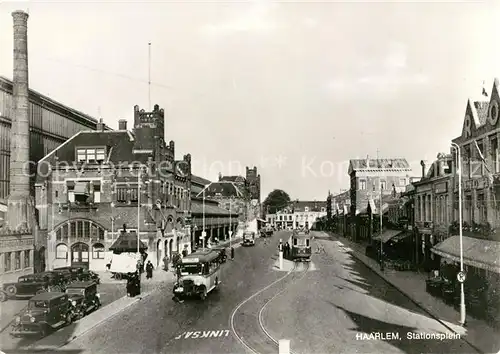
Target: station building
{"type": "Point", "coordinates": [97, 181]}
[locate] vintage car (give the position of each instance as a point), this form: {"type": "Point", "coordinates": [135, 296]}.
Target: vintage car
{"type": "Point", "coordinates": [71, 273]}
{"type": "Point", "coordinates": [84, 297]}
{"type": "Point", "coordinates": [30, 285]}
{"type": "Point", "coordinates": [248, 238]}
{"type": "Point", "coordinates": [45, 312]}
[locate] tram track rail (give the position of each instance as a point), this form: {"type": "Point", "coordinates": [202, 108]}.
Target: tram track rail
{"type": "Point", "coordinates": [263, 342]}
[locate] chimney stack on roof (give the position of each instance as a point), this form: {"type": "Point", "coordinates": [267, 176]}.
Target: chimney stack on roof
{"type": "Point", "coordinates": [422, 163]}
{"type": "Point", "coordinates": [122, 124]}
{"type": "Point", "coordinates": [100, 125]}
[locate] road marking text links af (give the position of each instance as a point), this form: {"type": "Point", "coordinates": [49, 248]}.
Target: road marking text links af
{"type": "Point", "coordinates": [204, 334]}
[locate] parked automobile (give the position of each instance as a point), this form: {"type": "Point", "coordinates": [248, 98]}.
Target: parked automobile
{"type": "Point", "coordinates": [88, 275]}
{"type": "Point", "coordinates": [45, 313]}
{"type": "Point", "coordinates": [71, 273]}
{"type": "Point", "coordinates": [30, 285]}
{"type": "Point", "coordinates": [84, 297]}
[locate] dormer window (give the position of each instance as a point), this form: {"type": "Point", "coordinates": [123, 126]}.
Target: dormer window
{"type": "Point", "coordinates": [91, 155]}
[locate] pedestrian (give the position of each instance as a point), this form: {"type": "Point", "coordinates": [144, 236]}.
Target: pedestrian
{"type": "Point", "coordinates": [165, 262]}
{"type": "Point", "coordinates": [232, 253]}
{"type": "Point", "coordinates": [149, 270]}
{"type": "Point", "coordinates": [184, 252]}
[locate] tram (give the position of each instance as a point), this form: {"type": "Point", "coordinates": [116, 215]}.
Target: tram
{"type": "Point", "coordinates": [300, 244]}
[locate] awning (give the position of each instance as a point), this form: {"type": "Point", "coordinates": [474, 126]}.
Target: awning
{"type": "Point", "coordinates": [387, 235]}
{"type": "Point", "coordinates": [484, 254]}
{"type": "Point", "coordinates": [127, 242]}
{"type": "Point", "coordinates": [81, 188]}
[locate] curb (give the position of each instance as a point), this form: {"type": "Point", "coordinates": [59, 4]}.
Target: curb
{"type": "Point", "coordinates": [429, 312]}
{"type": "Point", "coordinates": [117, 312]}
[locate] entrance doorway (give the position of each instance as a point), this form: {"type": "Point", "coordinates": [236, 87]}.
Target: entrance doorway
{"type": "Point", "coordinates": [40, 259]}
{"type": "Point", "coordinates": [80, 255]}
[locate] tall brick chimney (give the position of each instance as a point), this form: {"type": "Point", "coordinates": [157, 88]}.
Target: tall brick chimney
{"type": "Point", "coordinates": [19, 212]}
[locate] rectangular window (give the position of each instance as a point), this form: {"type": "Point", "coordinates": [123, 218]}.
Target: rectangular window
{"type": "Point", "coordinates": [362, 184]}
{"type": "Point", "coordinates": [121, 194]}
{"type": "Point", "coordinates": [81, 155]}
{"type": "Point", "coordinates": [17, 260]}
{"type": "Point", "coordinates": [27, 259]}
{"type": "Point", "coordinates": [97, 252]}
{"type": "Point", "coordinates": [383, 185]}
{"type": "Point", "coordinates": [70, 186]}
{"type": "Point", "coordinates": [402, 182]}
{"type": "Point", "coordinates": [134, 197]}
{"type": "Point", "coordinates": [100, 155]}
{"type": "Point", "coordinates": [97, 192]}
{"type": "Point", "coordinates": [91, 155]}
{"type": "Point", "coordinates": [79, 229]}
{"type": "Point", "coordinates": [7, 262]}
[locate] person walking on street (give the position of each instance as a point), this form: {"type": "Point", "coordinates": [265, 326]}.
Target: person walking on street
{"type": "Point", "coordinates": [165, 262]}
{"type": "Point", "coordinates": [232, 253]}
{"type": "Point", "coordinates": [149, 270]}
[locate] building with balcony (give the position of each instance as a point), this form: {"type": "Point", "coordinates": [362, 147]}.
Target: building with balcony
{"type": "Point", "coordinates": [97, 181]}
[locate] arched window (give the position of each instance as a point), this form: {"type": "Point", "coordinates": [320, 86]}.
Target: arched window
{"type": "Point", "coordinates": [170, 219]}
{"type": "Point", "coordinates": [61, 251]}
{"type": "Point", "coordinates": [80, 229]}
{"type": "Point", "coordinates": [98, 251]}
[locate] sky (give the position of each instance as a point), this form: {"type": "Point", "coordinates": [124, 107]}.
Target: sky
{"type": "Point", "coordinates": [293, 88]}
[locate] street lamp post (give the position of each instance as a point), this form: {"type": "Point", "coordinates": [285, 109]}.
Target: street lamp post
{"type": "Point", "coordinates": [204, 233]}
{"type": "Point", "coordinates": [139, 185]}
{"type": "Point", "coordinates": [459, 172]}
{"type": "Point", "coordinates": [381, 226]}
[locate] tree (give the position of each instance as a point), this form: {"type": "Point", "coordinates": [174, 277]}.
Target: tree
{"type": "Point", "coordinates": [275, 201]}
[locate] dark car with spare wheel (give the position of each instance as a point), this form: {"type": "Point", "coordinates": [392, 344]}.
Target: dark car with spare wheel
{"type": "Point", "coordinates": [44, 314]}
{"type": "Point", "coordinates": [30, 285]}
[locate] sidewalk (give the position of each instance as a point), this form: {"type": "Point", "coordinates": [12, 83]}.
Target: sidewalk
{"type": "Point", "coordinates": [67, 334]}
{"type": "Point", "coordinates": [477, 333]}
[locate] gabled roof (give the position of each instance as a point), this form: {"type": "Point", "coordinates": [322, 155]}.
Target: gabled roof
{"type": "Point", "coordinates": [222, 189]}
{"type": "Point", "coordinates": [119, 143]}
{"type": "Point", "coordinates": [379, 164]}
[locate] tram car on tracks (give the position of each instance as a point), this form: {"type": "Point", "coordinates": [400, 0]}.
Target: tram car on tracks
{"type": "Point", "coordinates": [300, 246]}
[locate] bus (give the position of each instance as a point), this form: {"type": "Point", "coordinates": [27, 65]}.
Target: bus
{"type": "Point", "coordinates": [198, 274]}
